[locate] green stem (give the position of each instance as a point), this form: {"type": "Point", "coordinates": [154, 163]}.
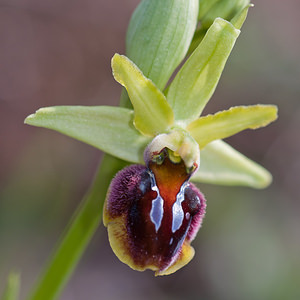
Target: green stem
{"type": "Point", "coordinates": [11, 291]}
{"type": "Point", "coordinates": [78, 234]}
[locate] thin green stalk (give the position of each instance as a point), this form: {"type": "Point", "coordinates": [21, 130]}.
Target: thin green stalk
{"type": "Point", "coordinates": [78, 234]}
{"type": "Point", "coordinates": [11, 291]}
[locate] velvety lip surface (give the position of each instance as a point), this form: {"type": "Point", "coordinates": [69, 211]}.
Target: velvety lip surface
{"type": "Point", "coordinates": [161, 211]}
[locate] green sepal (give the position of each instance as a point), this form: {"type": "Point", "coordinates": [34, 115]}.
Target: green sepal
{"type": "Point", "coordinates": [107, 128]}
{"type": "Point", "coordinates": [205, 6]}
{"type": "Point", "coordinates": [221, 164]}
{"type": "Point", "coordinates": [229, 122]}
{"type": "Point", "coordinates": [197, 79]}
{"type": "Point", "coordinates": [226, 9]}
{"type": "Point", "coordinates": [159, 35]}
{"type": "Point", "coordinates": [152, 112]}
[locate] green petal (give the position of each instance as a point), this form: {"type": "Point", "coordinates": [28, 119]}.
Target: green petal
{"type": "Point", "coordinates": [107, 128]}
{"type": "Point", "coordinates": [159, 35]}
{"type": "Point", "coordinates": [152, 112]}
{"type": "Point", "coordinates": [238, 20]}
{"type": "Point", "coordinates": [196, 81]}
{"type": "Point", "coordinates": [221, 164]}
{"type": "Point", "coordinates": [229, 122]}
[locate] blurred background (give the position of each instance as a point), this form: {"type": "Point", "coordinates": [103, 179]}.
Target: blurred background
{"type": "Point", "coordinates": [58, 52]}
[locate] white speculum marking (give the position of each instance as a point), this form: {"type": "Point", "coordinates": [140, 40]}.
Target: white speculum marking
{"type": "Point", "coordinates": [177, 211]}
{"type": "Point", "coordinates": [157, 209]}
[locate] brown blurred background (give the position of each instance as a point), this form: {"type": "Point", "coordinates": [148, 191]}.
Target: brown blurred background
{"type": "Point", "coordinates": [58, 52]}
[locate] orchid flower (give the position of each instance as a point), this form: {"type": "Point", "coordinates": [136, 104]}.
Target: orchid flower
{"type": "Point", "coordinates": [152, 210]}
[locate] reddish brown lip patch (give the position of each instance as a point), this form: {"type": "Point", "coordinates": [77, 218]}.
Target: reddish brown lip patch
{"type": "Point", "coordinates": [151, 213]}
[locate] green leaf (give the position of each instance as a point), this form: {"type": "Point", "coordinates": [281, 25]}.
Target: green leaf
{"type": "Point", "coordinates": [197, 79]}
{"type": "Point", "coordinates": [11, 291]}
{"type": "Point", "coordinates": [107, 128]}
{"type": "Point", "coordinates": [221, 164]}
{"type": "Point", "coordinates": [229, 122]}
{"type": "Point", "coordinates": [78, 234]}
{"type": "Point", "coordinates": [152, 112]}
{"type": "Point", "coordinates": [159, 35]}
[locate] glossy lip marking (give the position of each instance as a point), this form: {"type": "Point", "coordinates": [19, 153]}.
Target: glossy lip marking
{"type": "Point", "coordinates": [157, 209]}
{"type": "Point", "coordinates": [177, 211]}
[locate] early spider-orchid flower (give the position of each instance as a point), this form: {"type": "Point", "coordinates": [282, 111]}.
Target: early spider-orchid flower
{"type": "Point", "coordinates": [152, 210]}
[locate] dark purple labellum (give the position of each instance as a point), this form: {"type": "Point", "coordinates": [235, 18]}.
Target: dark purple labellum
{"type": "Point", "coordinates": [161, 211]}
